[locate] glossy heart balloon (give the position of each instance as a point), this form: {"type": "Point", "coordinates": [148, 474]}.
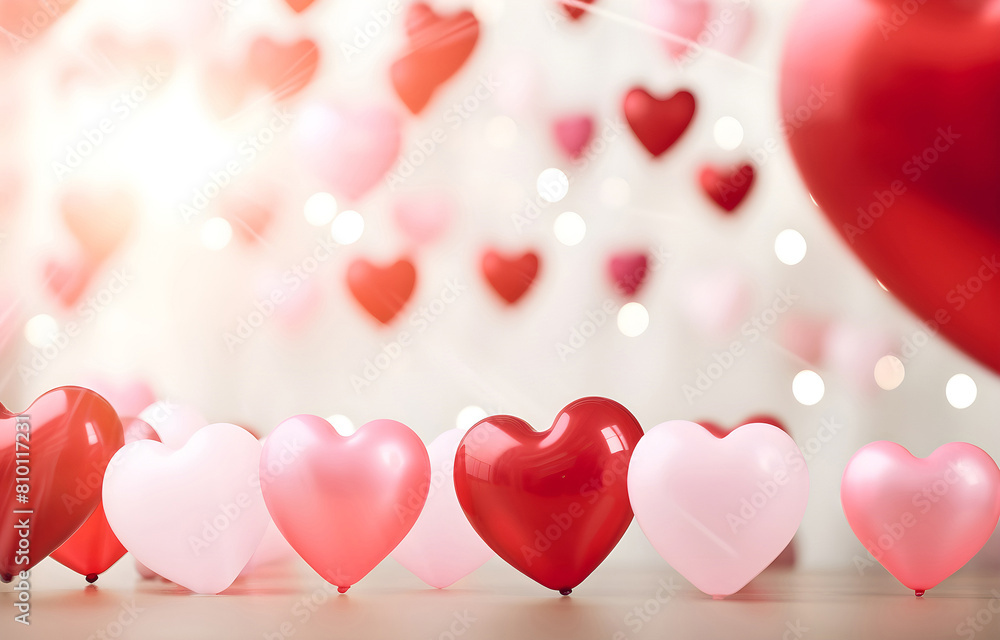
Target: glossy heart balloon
{"type": "Point", "coordinates": [94, 547]}
{"type": "Point", "coordinates": [344, 503]}
{"type": "Point", "coordinates": [442, 546]}
{"type": "Point", "coordinates": [921, 518]}
{"type": "Point", "coordinates": [350, 149]}
{"type": "Point", "coordinates": [718, 510]}
{"type": "Point", "coordinates": [658, 123]}
{"type": "Point", "coordinates": [55, 454]}
{"type": "Point", "coordinates": [510, 277]}
{"type": "Point", "coordinates": [915, 196]}
{"type": "Point", "coordinates": [727, 187]}
{"type": "Point", "coordinates": [628, 271]}
{"type": "Point", "coordinates": [193, 515]}
{"type": "Point", "coordinates": [438, 47]}
{"type": "Point", "coordinates": [573, 133]}
{"type": "Point", "coordinates": [382, 291]}
{"type": "Point", "coordinates": [554, 503]}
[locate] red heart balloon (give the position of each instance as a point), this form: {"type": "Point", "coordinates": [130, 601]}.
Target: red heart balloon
{"type": "Point", "coordinates": [382, 291]}
{"type": "Point", "coordinates": [894, 128]}
{"type": "Point", "coordinates": [70, 437]}
{"type": "Point", "coordinates": [658, 123]}
{"type": "Point", "coordinates": [554, 503]}
{"type": "Point", "coordinates": [439, 46]}
{"type": "Point", "coordinates": [94, 547]}
{"type": "Point", "coordinates": [628, 271]}
{"type": "Point", "coordinates": [510, 277]}
{"type": "Point", "coordinates": [575, 12]}
{"type": "Point", "coordinates": [727, 187]}
{"type": "Point", "coordinates": [344, 503]}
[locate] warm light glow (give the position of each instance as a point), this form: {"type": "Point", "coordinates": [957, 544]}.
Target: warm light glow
{"type": "Point", "coordinates": [961, 391]}
{"type": "Point", "coordinates": [570, 228]}
{"type": "Point", "coordinates": [728, 133]}
{"type": "Point", "coordinates": [790, 247]}
{"type": "Point", "coordinates": [320, 209]}
{"type": "Point", "coordinates": [347, 227]}
{"type": "Point", "coordinates": [469, 416]}
{"type": "Point", "coordinates": [633, 319]}
{"type": "Point", "coordinates": [40, 330]}
{"type": "Point", "coordinates": [889, 372]}
{"type": "Point", "coordinates": [808, 387]}
{"type": "Point", "coordinates": [216, 233]}
{"type": "Point", "coordinates": [552, 185]}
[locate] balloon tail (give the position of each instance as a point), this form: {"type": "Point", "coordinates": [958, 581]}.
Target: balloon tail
{"type": "Point", "coordinates": [343, 589]}
{"type": "Point", "coordinates": [919, 592]}
{"type": "Point", "coordinates": [91, 578]}
{"type": "Point", "coordinates": [565, 592]}
{"type": "Point", "coordinates": [718, 597]}
{"type": "Point", "coordinates": [5, 578]}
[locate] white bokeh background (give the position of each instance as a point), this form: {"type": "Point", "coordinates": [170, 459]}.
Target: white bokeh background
{"type": "Point", "coordinates": [167, 327]}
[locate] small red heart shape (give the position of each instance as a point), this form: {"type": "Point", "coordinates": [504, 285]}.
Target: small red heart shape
{"type": "Point", "coordinates": [573, 11]}
{"type": "Point", "coordinates": [382, 291]}
{"type": "Point", "coordinates": [438, 47]}
{"type": "Point", "coordinates": [656, 122]}
{"type": "Point", "coordinates": [67, 281]}
{"type": "Point", "coordinates": [510, 277]}
{"type": "Point", "coordinates": [298, 6]}
{"type": "Point", "coordinates": [284, 68]}
{"type": "Point", "coordinates": [727, 187]}
{"type": "Point", "coordinates": [628, 271]}
{"type": "Point", "coordinates": [94, 547]}
{"type": "Point", "coordinates": [554, 503]}
{"type": "Point", "coordinates": [344, 502]}
{"type": "Point", "coordinates": [572, 133]}
{"type": "Point", "coordinates": [62, 445]}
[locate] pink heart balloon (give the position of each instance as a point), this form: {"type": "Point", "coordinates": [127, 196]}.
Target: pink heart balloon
{"type": "Point", "coordinates": [174, 423]}
{"type": "Point", "coordinates": [628, 271]}
{"type": "Point", "coordinates": [684, 18]}
{"type": "Point", "coordinates": [343, 503]}
{"type": "Point", "coordinates": [732, 22]}
{"type": "Point", "coordinates": [194, 515]}
{"type": "Point", "coordinates": [572, 134]}
{"type": "Point", "coordinates": [719, 510]}
{"type": "Point", "coordinates": [424, 217]}
{"type": "Point", "coordinates": [921, 518]}
{"type": "Point", "coordinates": [349, 148]}
{"type": "Point", "coordinates": [442, 546]}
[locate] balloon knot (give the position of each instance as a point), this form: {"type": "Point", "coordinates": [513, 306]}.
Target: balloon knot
{"type": "Point", "coordinates": [91, 578]}
{"type": "Point", "coordinates": [565, 592]}
{"type": "Point", "coordinates": [343, 589]}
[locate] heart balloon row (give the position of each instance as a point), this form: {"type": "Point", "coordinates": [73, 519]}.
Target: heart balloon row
{"type": "Point", "coordinates": [551, 503]}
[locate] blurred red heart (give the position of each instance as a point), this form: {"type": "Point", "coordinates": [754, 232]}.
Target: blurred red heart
{"type": "Point", "coordinates": [62, 444]}
{"type": "Point", "coordinates": [553, 503]}
{"type": "Point", "coordinates": [628, 271]}
{"type": "Point", "coordinates": [298, 6]}
{"type": "Point", "coordinates": [23, 20]}
{"type": "Point", "coordinates": [382, 291]}
{"type": "Point", "coordinates": [658, 123]}
{"type": "Point", "coordinates": [67, 281]}
{"type": "Point", "coordinates": [894, 129]}
{"type": "Point", "coordinates": [438, 47]}
{"type": "Point", "coordinates": [575, 12]}
{"type": "Point", "coordinates": [510, 277]}
{"type": "Point", "coordinates": [727, 187]}
{"type": "Point", "coordinates": [94, 547]}
{"type": "Point", "coordinates": [573, 133]}
{"type": "Point", "coordinates": [284, 68]}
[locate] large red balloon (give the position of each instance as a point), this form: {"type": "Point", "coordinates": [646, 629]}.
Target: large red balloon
{"type": "Point", "coordinates": [72, 434]}
{"type": "Point", "coordinates": [553, 503]}
{"type": "Point", "coordinates": [892, 117]}
{"type": "Point", "coordinates": [94, 547]}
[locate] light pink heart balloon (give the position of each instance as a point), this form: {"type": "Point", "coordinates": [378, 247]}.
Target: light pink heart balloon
{"type": "Point", "coordinates": [273, 549]}
{"type": "Point", "coordinates": [921, 518]}
{"type": "Point", "coordinates": [683, 18]}
{"type": "Point", "coordinates": [349, 148]}
{"type": "Point", "coordinates": [572, 134]}
{"type": "Point", "coordinates": [719, 510]}
{"type": "Point", "coordinates": [174, 423]}
{"type": "Point", "coordinates": [442, 546]}
{"type": "Point", "coordinates": [194, 515]}
{"type": "Point", "coordinates": [717, 302]}
{"type": "Point", "coordinates": [424, 217]}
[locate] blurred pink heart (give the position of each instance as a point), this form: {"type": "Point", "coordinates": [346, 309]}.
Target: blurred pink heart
{"type": "Point", "coordinates": [683, 18]}
{"type": "Point", "coordinates": [732, 22]}
{"type": "Point", "coordinates": [174, 423]}
{"type": "Point", "coordinates": [128, 397]}
{"type": "Point", "coordinates": [442, 546]}
{"type": "Point", "coordinates": [193, 515]}
{"type": "Point", "coordinates": [573, 133]}
{"type": "Point", "coordinates": [804, 337]}
{"type": "Point", "coordinates": [719, 510]}
{"type": "Point", "coordinates": [717, 302]}
{"type": "Point", "coordinates": [921, 518]}
{"type": "Point", "coordinates": [349, 148]}
{"type": "Point", "coordinates": [628, 271]}
{"type": "Point", "coordinates": [424, 217]}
